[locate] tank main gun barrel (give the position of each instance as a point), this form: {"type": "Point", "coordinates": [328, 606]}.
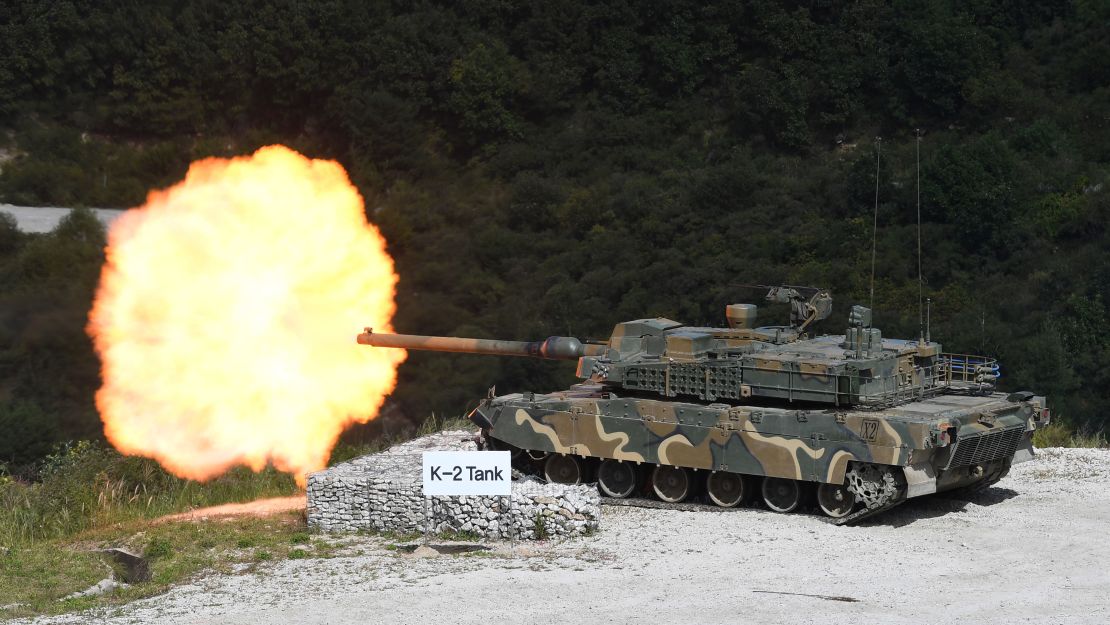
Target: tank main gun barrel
{"type": "Point", "coordinates": [553, 348]}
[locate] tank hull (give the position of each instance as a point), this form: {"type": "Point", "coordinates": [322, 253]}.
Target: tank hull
{"type": "Point", "coordinates": [939, 443]}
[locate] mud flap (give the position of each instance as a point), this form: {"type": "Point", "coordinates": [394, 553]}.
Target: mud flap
{"type": "Point", "coordinates": [921, 479]}
{"type": "Point", "coordinates": [1024, 453]}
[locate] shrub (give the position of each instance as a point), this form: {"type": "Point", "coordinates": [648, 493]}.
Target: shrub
{"type": "Point", "coordinates": [1062, 434]}
{"type": "Point", "coordinates": [539, 527]}
{"type": "Point", "coordinates": [158, 548]}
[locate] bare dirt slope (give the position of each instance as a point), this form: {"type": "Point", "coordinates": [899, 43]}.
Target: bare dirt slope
{"type": "Point", "coordinates": [260, 507]}
{"type": "Point", "coordinates": [1033, 549]}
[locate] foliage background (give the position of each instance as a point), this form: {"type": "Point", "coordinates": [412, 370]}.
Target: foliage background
{"type": "Point", "coordinates": [551, 168]}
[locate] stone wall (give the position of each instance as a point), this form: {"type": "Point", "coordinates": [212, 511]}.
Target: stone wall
{"type": "Point", "coordinates": [383, 492]}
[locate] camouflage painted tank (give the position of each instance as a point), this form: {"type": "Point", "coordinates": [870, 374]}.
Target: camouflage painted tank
{"type": "Point", "coordinates": [744, 412]}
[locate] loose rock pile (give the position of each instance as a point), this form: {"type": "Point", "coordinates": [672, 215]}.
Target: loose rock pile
{"type": "Point", "coordinates": [383, 492]}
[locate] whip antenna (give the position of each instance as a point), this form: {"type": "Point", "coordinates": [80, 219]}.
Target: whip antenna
{"type": "Point", "coordinates": [875, 220]}
{"type": "Point", "coordinates": [920, 313]}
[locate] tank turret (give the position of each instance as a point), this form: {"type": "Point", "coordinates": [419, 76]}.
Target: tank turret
{"type": "Point", "coordinates": [740, 362]}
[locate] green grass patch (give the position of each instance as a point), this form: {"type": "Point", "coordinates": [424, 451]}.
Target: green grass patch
{"type": "Point", "coordinates": [85, 485]}
{"type": "Point", "coordinates": [90, 497]}
{"type": "Point", "coordinates": [1061, 434]}
{"type": "Point", "coordinates": [36, 576]}
{"type": "Point", "coordinates": [40, 576]}
{"type": "Point", "coordinates": [158, 547]}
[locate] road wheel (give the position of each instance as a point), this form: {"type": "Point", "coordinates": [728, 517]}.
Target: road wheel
{"type": "Point", "coordinates": [726, 489]}
{"type": "Point", "coordinates": [671, 484]}
{"type": "Point", "coordinates": [835, 500]}
{"type": "Point", "coordinates": [782, 495]}
{"type": "Point", "coordinates": [562, 469]}
{"type": "Point", "coordinates": [616, 478]}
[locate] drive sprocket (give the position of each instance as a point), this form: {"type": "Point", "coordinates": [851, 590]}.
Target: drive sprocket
{"type": "Point", "coordinates": [873, 485]}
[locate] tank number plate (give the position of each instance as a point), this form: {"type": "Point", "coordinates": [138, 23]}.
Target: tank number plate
{"type": "Point", "coordinates": [870, 430]}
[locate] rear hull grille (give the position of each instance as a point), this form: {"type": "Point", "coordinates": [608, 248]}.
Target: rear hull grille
{"type": "Point", "coordinates": [987, 447]}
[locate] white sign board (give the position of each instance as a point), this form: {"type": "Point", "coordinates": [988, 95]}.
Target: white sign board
{"type": "Point", "coordinates": [467, 473]}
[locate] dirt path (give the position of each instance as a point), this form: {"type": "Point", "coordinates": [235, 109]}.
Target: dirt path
{"type": "Point", "coordinates": [1033, 549]}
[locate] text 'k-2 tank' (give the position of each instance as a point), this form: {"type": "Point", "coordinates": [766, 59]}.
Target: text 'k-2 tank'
{"type": "Point", "coordinates": [747, 412]}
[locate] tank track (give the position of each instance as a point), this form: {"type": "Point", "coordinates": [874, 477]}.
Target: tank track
{"type": "Point", "coordinates": [876, 486]}
{"type": "Point", "coordinates": [866, 513]}
{"type": "Point", "coordinates": [655, 504]}
{"type": "Point", "coordinates": [644, 502]}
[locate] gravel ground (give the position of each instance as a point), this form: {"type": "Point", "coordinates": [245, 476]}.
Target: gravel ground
{"type": "Point", "coordinates": [1032, 549]}
{"type": "Point", "coordinates": [44, 218]}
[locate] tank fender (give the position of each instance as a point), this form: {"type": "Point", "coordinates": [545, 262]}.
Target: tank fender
{"type": "Point", "coordinates": [838, 466]}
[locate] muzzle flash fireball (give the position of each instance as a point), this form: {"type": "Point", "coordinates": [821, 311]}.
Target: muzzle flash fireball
{"type": "Point", "coordinates": [223, 314]}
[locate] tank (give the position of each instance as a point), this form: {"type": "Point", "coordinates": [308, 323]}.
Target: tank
{"type": "Point", "coordinates": [851, 424]}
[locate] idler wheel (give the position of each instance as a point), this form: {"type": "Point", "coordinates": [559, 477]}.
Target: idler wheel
{"type": "Point", "coordinates": [782, 495]}
{"type": "Point", "coordinates": [616, 478]}
{"type": "Point", "coordinates": [562, 469]}
{"type": "Point", "coordinates": [726, 489]}
{"type": "Point", "coordinates": [671, 484]}
{"type": "Point", "coordinates": [835, 500]}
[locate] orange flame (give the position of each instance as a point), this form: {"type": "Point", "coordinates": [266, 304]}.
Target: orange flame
{"type": "Point", "coordinates": [226, 317]}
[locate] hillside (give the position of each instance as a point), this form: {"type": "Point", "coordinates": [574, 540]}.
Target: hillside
{"type": "Point", "coordinates": [551, 168]}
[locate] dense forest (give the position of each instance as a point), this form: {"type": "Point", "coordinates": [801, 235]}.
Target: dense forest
{"type": "Point", "coordinates": [554, 167]}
